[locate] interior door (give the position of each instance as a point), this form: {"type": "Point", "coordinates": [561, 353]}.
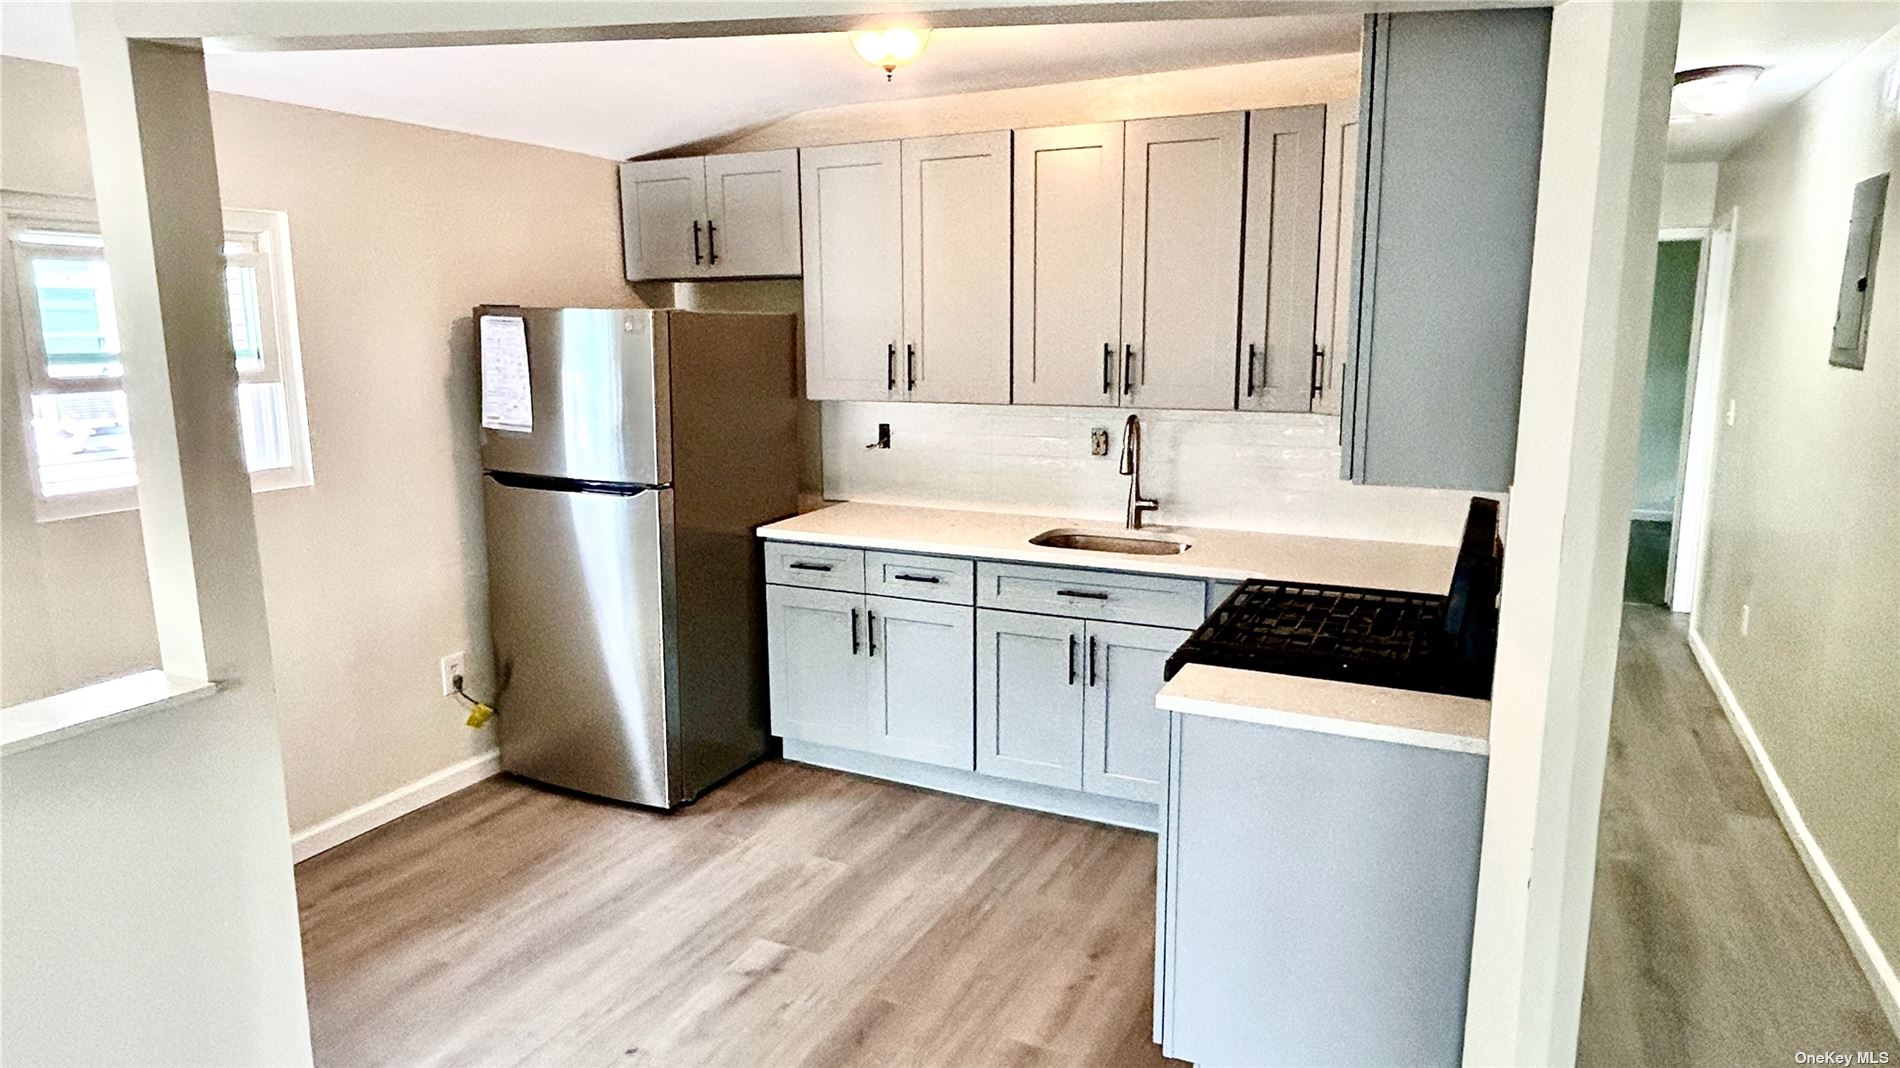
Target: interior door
{"type": "Point", "coordinates": [1181, 260]}
{"type": "Point", "coordinates": [923, 655]}
{"type": "Point", "coordinates": [956, 268]}
{"type": "Point", "coordinates": [1068, 227]}
{"type": "Point", "coordinates": [853, 235]}
{"type": "Point", "coordinates": [1339, 179]}
{"type": "Point", "coordinates": [821, 674]}
{"type": "Point", "coordinates": [662, 217]}
{"type": "Point", "coordinates": [1029, 698]}
{"type": "Point", "coordinates": [752, 214]}
{"type": "Point", "coordinates": [1278, 336]}
{"type": "Point", "coordinates": [1125, 737]}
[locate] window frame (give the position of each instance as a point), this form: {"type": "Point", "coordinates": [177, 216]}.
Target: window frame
{"type": "Point", "coordinates": [265, 237]}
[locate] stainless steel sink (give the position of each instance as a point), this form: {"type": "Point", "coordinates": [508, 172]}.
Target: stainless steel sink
{"type": "Point", "coordinates": [1141, 543]}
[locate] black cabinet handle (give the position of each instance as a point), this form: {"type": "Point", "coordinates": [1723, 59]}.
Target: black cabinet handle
{"type": "Point", "coordinates": [1128, 370]}
{"type": "Point", "coordinates": [870, 630]}
{"type": "Point", "coordinates": [712, 243]}
{"type": "Point", "coordinates": [1091, 660]}
{"type": "Point", "coordinates": [1253, 358]}
{"type": "Point", "coordinates": [1319, 370]}
{"type": "Point", "coordinates": [1108, 367]}
{"type": "Point", "coordinates": [800, 565]}
{"type": "Point", "coordinates": [1072, 659]}
{"type": "Point", "coordinates": [854, 632]}
{"type": "Point", "coordinates": [890, 367]}
{"type": "Point", "coordinates": [697, 258]}
{"type": "Point", "coordinates": [1087, 595]}
{"type": "Point", "coordinates": [910, 366]}
{"type": "Point", "coordinates": [932, 579]}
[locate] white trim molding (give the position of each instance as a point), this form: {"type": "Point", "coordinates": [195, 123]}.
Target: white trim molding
{"type": "Point", "coordinates": [399, 802]}
{"type": "Point", "coordinates": [1860, 938]}
{"type": "Point", "coordinates": [1652, 515]}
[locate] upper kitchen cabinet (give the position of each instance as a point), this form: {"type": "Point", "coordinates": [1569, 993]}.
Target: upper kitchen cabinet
{"type": "Point", "coordinates": [1180, 262]}
{"type": "Point", "coordinates": [956, 268]}
{"type": "Point", "coordinates": [733, 216]}
{"type": "Point", "coordinates": [1280, 359]}
{"type": "Point", "coordinates": [907, 277]}
{"type": "Point", "coordinates": [854, 270]}
{"type": "Point", "coordinates": [1332, 325]}
{"type": "Point", "coordinates": [1451, 116]}
{"type": "Point", "coordinates": [1068, 252]}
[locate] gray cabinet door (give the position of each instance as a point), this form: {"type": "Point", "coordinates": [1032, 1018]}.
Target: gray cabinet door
{"type": "Point", "coordinates": [1332, 325]}
{"type": "Point", "coordinates": [956, 268]}
{"type": "Point", "coordinates": [1284, 151]}
{"type": "Point", "coordinates": [752, 214]}
{"type": "Point", "coordinates": [1447, 202]}
{"type": "Point", "coordinates": [1181, 217]}
{"type": "Point", "coordinates": [1029, 698]}
{"type": "Point", "coordinates": [662, 216]}
{"type": "Point", "coordinates": [924, 662]}
{"type": "Point", "coordinates": [822, 680]}
{"type": "Point", "coordinates": [1125, 738]}
{"type": "Point", "coordinates": [854, 271]}
{"type": "Point", "coordinates": [1068, 250]}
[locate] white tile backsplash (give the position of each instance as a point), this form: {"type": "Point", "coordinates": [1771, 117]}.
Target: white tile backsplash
{"type": "Point", "coordinates": [1244, 471]}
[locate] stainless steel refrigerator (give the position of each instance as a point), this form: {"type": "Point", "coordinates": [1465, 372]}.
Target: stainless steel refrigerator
{"type": "Point", "coordinates": [625, 590]}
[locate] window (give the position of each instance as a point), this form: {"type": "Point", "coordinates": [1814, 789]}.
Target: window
{"type": "Point", "coordinates": [80, 443]}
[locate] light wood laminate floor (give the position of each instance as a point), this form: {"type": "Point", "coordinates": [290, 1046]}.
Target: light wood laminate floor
{"type": "Point", "coordinates": [1708, 943]}
{"type": "Point", "coordinates": [801, 916]}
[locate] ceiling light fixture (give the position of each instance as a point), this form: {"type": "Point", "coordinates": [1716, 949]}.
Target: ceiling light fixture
{"type": "Point", "coordinates": [890, 47]}
{"type": "Point", "coordinates": [1715, 90]}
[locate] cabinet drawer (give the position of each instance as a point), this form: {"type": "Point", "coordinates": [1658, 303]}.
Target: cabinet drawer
{"type": "Point", "coordinates": [920, 578]}
{"type": "Point", "coordinates": [824, 567]}
{"type": "Point", "coordinates": [1122, 598]}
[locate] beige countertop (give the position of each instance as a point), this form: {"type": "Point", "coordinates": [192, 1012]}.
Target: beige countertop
{"type": "Point", "coordinates": [1407, 717]}
{"type": "Point", "coordinates": [1212, 554]}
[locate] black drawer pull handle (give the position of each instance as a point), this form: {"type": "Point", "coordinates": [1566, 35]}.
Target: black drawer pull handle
{"type": "Point", "coordinates": [932, 579]}
{"type": "Point", "coordinates": [1087, 595]}
{"type": "Point", "coordinates": [800, 565]}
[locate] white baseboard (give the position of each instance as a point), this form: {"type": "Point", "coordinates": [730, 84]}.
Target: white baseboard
{"type": "Point", "coordinates": [398, 802]}
{"type": "Point", "coordinates": [1652, 515]}
{"type": "Point", "coordinates": [1873, 961]}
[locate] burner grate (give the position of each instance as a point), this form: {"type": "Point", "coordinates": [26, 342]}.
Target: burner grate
{"type": "Point", "coordinates": [1378, 637]}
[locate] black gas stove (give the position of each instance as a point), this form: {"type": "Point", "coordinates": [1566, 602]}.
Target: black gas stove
{"type": "Point", "coordinates": [1439, 643]}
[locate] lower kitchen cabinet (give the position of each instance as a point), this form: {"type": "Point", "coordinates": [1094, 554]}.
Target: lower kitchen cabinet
{"type": "Point", "coordinates": [1069, 703]}
{"type": "Point", "coordinates": [822, 683]}
{"type": "Point", "coordinates": [1029, 698]}
{"type": "Point", "coordinates": [1124, 738]}
{"type": "Point", "coordinates": [924, 688]}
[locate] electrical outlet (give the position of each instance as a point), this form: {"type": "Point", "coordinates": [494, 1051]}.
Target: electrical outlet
{"type": "Point", "coordinates": [1744, 621]}
{"type": "Point", "coordinates": [1098, 441]}
{"type": "Point", "coordinates": [452, 669]}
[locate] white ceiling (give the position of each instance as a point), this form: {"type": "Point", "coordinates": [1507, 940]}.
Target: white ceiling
{"type": "Point", "coordinates": [1800, 43]}
{"type": "Point", "coordinates": [629, 98]}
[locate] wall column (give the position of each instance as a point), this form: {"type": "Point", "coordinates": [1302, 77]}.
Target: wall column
{"type": "Point", "coordinates": [1592, 269]}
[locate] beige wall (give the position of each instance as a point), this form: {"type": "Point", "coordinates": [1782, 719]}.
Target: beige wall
{"type": "Point", "coordinates": [375, 571]}
{"type": "Point", "coordinates": [1805, 515]}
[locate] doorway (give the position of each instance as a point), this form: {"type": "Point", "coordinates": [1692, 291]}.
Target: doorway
{"type": "Point", "coordinates": [1663, 438]}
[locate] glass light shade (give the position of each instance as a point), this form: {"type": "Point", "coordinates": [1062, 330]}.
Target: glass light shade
{"type": "Point", "coordinates": [889, 48]}
{"type": "Point", "coordinates": [1715, 90]}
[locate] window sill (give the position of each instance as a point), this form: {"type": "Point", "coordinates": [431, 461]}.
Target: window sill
{"type": "Point", "coordinates": [103, 704]}
{"type": "Point", "coordinates": [112, 502]}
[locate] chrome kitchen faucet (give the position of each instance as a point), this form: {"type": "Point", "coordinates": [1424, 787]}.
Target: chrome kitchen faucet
{"type": "Point", "coordinates": [1131, 466]}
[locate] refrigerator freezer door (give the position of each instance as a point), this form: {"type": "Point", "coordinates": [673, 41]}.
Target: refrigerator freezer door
{"type": "Point", "coordinates": [599, 397]}
{"type": "Point", "coordinates": [577, 607]}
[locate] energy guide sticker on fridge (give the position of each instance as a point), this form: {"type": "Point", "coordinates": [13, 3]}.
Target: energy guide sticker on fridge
{"type": "Point", "coordinates": [507, 403]}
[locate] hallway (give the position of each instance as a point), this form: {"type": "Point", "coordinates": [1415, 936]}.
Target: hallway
{"type": "Point", "coordinates": [1708, 943]}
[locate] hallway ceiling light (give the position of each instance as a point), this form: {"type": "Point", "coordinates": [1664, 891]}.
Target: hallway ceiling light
{"type": "Point", "coordinates": [890, 47]}
{"type": "Point", "coordinates": [1715, 90]}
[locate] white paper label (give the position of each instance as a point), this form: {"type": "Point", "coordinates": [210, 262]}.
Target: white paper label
{"type": "Point", "coordinates": [507, 403]}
